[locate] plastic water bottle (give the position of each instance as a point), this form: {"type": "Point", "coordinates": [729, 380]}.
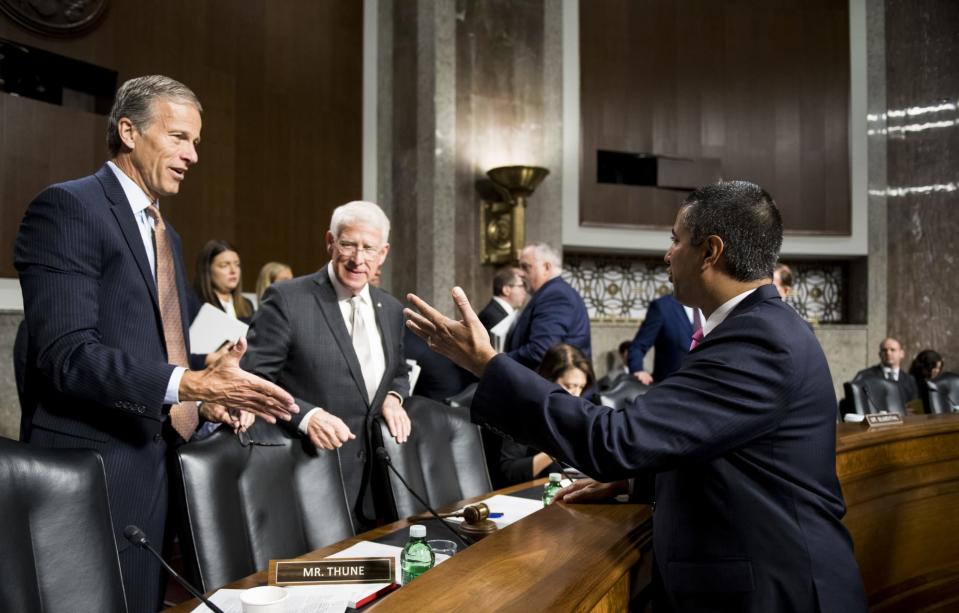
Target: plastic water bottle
{"type": "Point", "coordinates": [552, 486]}
{"type": "Point", "coordinates": [417, 557]}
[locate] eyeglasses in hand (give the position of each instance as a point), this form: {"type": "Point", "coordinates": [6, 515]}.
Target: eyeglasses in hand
{"type": "Point", "coordinates": [247, 441]}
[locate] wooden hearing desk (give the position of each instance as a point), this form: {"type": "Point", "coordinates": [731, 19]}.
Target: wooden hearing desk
{"type": "Point", "coordinates": [562, 558]}
{"type": "Point", "coordinates": [901, 485]}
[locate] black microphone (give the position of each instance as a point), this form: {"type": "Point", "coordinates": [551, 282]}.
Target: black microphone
{"type": "Point", "coordinates": [139, 538]}
{"type": "Point", "coordinates": [382, 455]}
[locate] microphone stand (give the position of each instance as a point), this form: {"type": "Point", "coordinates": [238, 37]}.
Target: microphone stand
{"type": "Point", "coordinates": [382, 454]}
{"type": "Point", "coordinates": [139, 538]}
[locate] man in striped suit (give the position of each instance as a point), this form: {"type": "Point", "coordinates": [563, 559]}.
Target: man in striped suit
{"type": "Point", "coordinates": [104, 295]}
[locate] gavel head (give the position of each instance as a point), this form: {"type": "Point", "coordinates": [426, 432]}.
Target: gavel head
{"type": "Point", "coordinates": [475, 513]}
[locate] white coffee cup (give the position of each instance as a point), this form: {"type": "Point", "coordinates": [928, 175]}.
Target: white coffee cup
{"type": "Point", "coordinates": [264, 599]}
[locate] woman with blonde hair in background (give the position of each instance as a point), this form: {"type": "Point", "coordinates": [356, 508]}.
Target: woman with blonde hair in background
{"type": "Point", "coordinates": [270, 274]}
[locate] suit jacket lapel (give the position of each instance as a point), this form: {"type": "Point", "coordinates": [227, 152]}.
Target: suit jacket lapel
{"type": "Point", "coordinates": [326, 298]}
{"type": "Point", "coordinates": [682, 319]}
{"type": "Point", "coordinates": [120, 207]}
{"type": "Point", "coordinates": [386, 336]}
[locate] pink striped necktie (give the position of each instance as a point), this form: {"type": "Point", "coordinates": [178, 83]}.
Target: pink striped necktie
{"type": "Point", "coordinates": [184, 416]}
{"type": "Point", "coordinates": [697, 338]}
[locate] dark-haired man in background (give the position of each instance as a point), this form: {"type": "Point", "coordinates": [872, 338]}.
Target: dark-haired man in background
{"type": "Point", "coordinates": [741, 439]}
{"type": "Point", "coordinates": [509, 295]}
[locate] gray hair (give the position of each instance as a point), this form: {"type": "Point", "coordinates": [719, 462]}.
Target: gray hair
{"type": "Point", "coordinates": [363, 213]}
{"type": "Point", "coordinates": [545, 253]}
{"type": "Point", "coordinates": [134, 100]}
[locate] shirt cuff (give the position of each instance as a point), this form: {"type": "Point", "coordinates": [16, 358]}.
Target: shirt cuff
{"type": "Point", "coordinates": [304, 425]}
{"type": "Point", "coordinates": [397, 394]}
{"type": "Point", "coordinates": [173, 387]}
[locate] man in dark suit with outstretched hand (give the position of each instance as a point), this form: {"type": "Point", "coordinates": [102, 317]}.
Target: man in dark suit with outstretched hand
{"type": "Point", "coordinates": [105, 302]}
{"type": "Point", "coordinates": [740, 440]}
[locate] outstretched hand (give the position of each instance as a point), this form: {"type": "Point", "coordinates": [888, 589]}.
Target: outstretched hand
{"type": "Point", "coordinates": [226, 383]}
{"type": "Point", "coordinates": [465, 342]}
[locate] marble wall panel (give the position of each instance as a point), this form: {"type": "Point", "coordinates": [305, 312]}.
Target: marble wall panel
{"type": "Point", "coordinates": [921, 126]}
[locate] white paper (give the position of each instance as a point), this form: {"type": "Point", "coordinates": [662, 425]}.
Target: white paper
{"type": "Point", "coordinates": [497, 334]}
{"type": "Point", "coordinates": [212, 327]}
{"type": "Point", "coordinates": [301, 599]}
{"type": "Point", "coordinates": [513, 509]}
{"type": "Point", "coordinates": [414, 373]}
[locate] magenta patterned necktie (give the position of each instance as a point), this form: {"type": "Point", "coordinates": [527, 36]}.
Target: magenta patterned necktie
{"type": "Point", "coordinates": [697, 338]}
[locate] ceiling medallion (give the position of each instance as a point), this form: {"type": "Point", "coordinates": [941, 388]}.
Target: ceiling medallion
{"type": "Point", "coordinates": [55, 17]}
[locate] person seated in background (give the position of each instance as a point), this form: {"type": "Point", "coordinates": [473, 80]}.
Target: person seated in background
{"type": "Point", "coordinates": [619, 372]}
{"type": "Point", "coordinates": [566, 366]}
{"type": "Point", "coordinates": [668, 328]}
{"type": "Point", "coordinates": [509, 295]}
{"type": "Point", "coordinates": [926, 365]}
{"type": "Point", "coordinates": [218, 280]}
{"type": "Point", "coordinates": [890, 359]}
{"type": "Point", "coordinates": [783, 280]}
{"type": "Point", "coordinates": [270, 274]}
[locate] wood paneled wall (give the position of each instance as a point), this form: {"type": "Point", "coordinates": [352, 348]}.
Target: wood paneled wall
{"type": "Point", "coordinates": [761, 86]}
{"type": "Point", "coordinates": [281, 86]}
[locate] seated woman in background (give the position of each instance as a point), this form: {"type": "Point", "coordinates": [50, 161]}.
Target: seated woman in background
{"type": "Point", "coordinates": [566, 366]}
{"type": "Point", "coordinates": [927, 365]}
{"type": "Point", "coordinates": [270, 274]}
{"type": "Point", "coordinates": [218, 280]}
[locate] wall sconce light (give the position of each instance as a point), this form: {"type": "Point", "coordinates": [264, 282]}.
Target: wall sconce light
{"type": "Point", "coordinates": [503, 224]}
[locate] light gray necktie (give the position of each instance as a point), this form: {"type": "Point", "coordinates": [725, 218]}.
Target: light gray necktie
{"type": "Point", "coordinates": [361, 345]}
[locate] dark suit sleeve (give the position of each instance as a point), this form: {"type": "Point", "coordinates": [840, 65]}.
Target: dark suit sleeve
{"type": "Point", "coordinates": [59, 258]}
{"type": "Point", "coordinates": [269, 339]}
{"type": "Point", "coordinates": [736, 382]}
{"type": "Point", "coordinates": [515, 462]}
{"type": "Point", "coordinates": [645, 337]}
{"type": "Point", "coordinates": [548, 325]}
{"type": "Point", "coordinates": [400, 383]}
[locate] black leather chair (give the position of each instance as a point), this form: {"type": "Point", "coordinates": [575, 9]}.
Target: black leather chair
{"type": "Point", "coordinates": [871, 395]}
{"type": "Point", "coordinates": [58, 551]}
{"type": "Point", "coordinates": [464, 398]}
{"type": "Point", "coordinates": [241, 505]}
{"type": "Point", "coordinates": [942, 393]}
{"type": "Point", "coordinates": [442, 460]}
{"type": "Point", "coordinates": [623, 393]}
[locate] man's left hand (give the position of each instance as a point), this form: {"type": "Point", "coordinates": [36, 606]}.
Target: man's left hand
{"type": "Point", "coordinates": [396, 418]}
{"type": "Point", "coordinates": [237, 419]}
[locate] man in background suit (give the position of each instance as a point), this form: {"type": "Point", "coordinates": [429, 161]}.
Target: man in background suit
{"type": "Point", "coordinates": [336, 344]}
{"type": "Point", "coordinates": [891, 356]}
{"type": "Point", "coordinates": [509, 294]}
{"type": "Point", "coordinates": [669, 328]}
{"type": "Point", "coordinates": [740, 440]}
{"type": "Point", "coordinates": [555, 314]}
{"type": "Point", "coordinates": [106, 320]}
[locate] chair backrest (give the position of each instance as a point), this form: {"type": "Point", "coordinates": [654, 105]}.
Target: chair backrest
{"type": "Point", "coordinates": [870, 395]}
{"type": "Point", "coordinates": [464, 398]}
{"type": "Point", "coordinates": [241, 506]}
{"type": "Point", "coordinates": [58, 551]}
{"type": "Point", "coordinates": [942, 393]}
{"type": "Point", "coordinates": [623, 393]}
{"type": "Point", "coordinates": [442, 460]}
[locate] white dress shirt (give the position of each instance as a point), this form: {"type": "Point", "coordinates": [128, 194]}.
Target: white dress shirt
{"type": "Point", "coordinates": [343, 296]}
{"type": "Point", "coordinates": [138, 203]}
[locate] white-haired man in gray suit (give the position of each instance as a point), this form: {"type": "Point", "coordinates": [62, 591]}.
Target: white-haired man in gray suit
{"type": "Point", "coordinates": [335, 343]}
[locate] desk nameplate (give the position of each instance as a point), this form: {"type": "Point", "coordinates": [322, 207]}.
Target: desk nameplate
{"type": "Point", "coordinates": [332, 570]}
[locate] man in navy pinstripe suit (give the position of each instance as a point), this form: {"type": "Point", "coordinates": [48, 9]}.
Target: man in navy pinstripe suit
{"type": "Point", "coordinates": [99, 368]}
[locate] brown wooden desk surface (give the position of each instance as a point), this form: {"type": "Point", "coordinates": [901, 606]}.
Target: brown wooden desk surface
{"type": "Point", "coordinates": [901, 485]}
{"type": "Point", "coordinates": [565, 557]}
